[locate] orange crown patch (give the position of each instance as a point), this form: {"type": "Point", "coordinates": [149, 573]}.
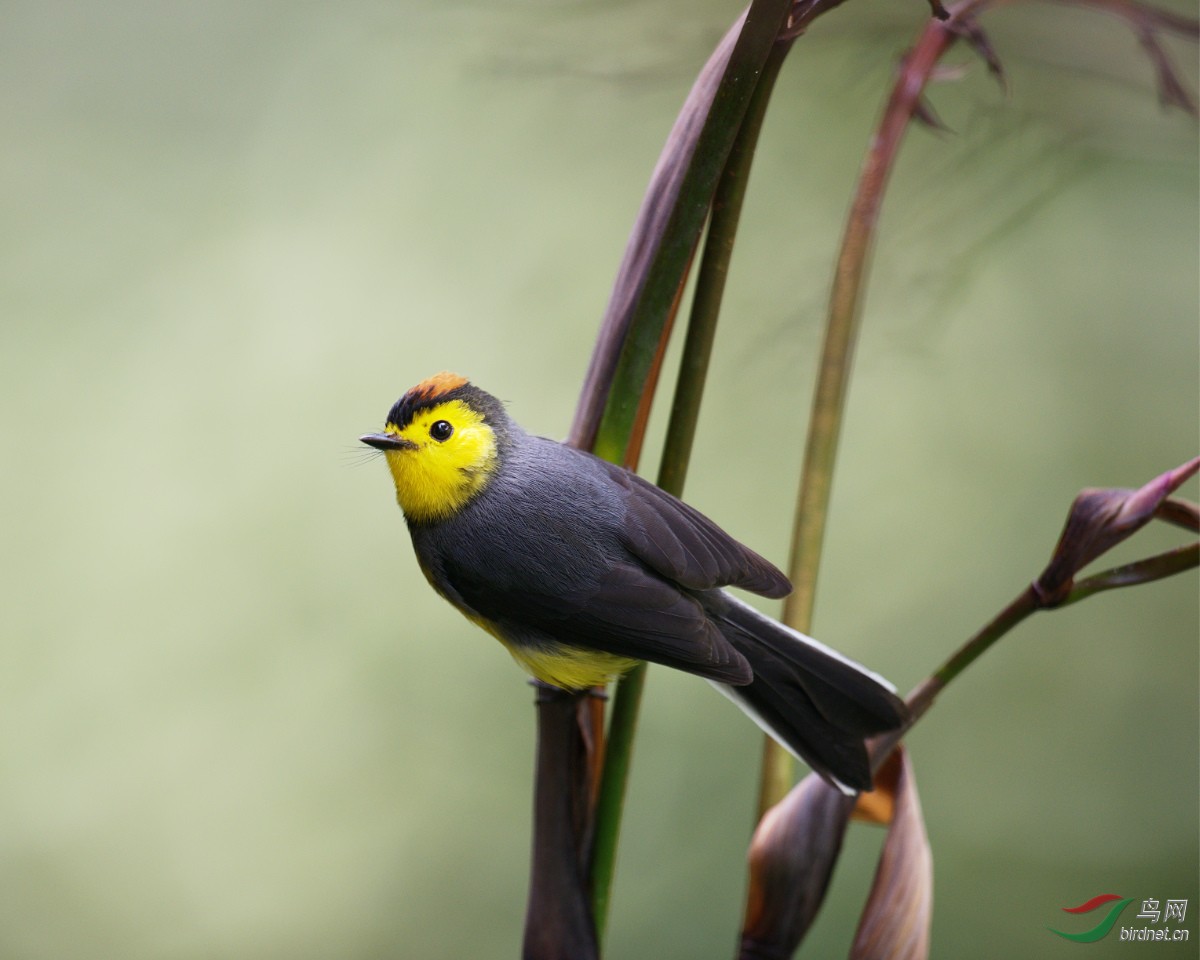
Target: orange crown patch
{"type": "Point", "coordinates": [427, 393]}
{"type": "Point", "coordinates": [437, 385]}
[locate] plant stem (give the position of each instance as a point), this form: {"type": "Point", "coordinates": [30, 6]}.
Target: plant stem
{"type": "Point", "coordinates": [558, 916]}
{"type": "Point", "coordinates": [1140, 571]}
{"type": "Point", "coordinates": [610, 799]}
{"type": "Point", "coordinates": [1026, 603]}
{"type": "Point", "coordinates": [837, 354]}
{"type": "Point", "coordinates": [710, 281]}
{"type": "Point", "coordinates": [681, 429]}
{"type": "Point", "coordinates": [664, 275]}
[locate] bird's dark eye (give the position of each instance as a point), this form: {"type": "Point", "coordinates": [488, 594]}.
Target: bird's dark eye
{"type": "Point", "coordinates": [441, 430]}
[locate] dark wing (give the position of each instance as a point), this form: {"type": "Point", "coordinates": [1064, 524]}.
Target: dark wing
{"type": "Point", "coordinates": [628, 612]}
{"type": "Point", "coordinates": [685, 546]}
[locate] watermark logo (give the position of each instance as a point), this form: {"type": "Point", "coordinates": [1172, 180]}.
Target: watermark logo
{"type": "Point", "coordinates": [1158, 914]}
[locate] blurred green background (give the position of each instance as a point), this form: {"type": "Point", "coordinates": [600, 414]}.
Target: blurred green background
{"type": "Point", "coordinates": [234, 720]}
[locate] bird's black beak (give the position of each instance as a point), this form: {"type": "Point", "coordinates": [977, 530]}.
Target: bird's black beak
{"type": "Point", "coordinates": [387, 441]}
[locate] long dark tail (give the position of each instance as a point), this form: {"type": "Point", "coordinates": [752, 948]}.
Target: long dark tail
{"type": "Point", "coordinates": [815, 702]}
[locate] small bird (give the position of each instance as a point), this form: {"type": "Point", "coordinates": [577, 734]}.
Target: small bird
{"type": "Point", "coordinates": [581, 569]}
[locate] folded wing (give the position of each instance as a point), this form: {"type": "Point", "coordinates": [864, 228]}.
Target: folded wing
{"type": "Point", "coordinates": [685, 546]}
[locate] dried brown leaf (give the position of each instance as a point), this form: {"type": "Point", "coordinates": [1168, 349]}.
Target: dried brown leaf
{"type": "Point", "coordinates": [791, 860]}
{"type": "Point", "coordinates": [895, 922]}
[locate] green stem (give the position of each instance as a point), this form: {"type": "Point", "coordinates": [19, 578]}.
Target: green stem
{"type": "Point", "coordinates": [681, 430]}
{"type": "Point", "coordinates": [1025, 604]}
{"type": "Point", "coordinates": [610, 798]}
{"type": "Point", "coordinates": [710, 281]}
{"type": "Point", "coordinates": [837, 354]}
{"type": "Point", "coordinates": [1028, 602]}
{"type": "Point", "coordinates": [921, 699]}
{"type": "Point", "coordinates": [664, 276]}
{"type": "Point", "coordinates": [1140, 571]}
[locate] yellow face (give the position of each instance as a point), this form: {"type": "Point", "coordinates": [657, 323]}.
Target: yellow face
{"type": "Point", "coordinates": [452, 455]}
